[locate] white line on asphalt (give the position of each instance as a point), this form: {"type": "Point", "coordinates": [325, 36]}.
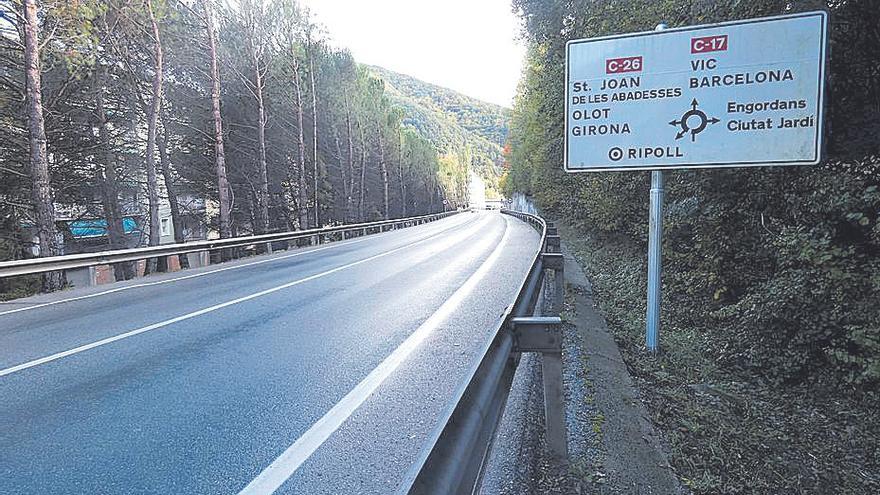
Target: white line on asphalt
{"type": "Point", "coordinates": [282, 468]}
{"type": "Point", "coordinates": [186, 277]}
{"type": "Point", "coordinates": [161, 324]}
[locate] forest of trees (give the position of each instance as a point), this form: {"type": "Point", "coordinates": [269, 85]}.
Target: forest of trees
{"type": "Point", "coordinates": [771, 275]}
{"type": "Point", "coordinates": [109, 107]}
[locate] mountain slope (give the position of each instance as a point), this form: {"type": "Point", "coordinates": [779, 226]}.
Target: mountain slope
{"type": "Point", "coordinates": [484, 119]}
{"type": "Point", "coordinates": [456, 124]}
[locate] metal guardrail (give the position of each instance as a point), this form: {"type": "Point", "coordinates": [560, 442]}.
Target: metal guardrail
{"type": "Point", "coordinates": [460, 447]}
{"type": "Point", "coordinates": [67, 262]}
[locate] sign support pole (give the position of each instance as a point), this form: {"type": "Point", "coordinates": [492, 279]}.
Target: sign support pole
{"type": "Point", "coordinates": [655, 261]}
{"type": "Point", "coordinates": [655, 255]}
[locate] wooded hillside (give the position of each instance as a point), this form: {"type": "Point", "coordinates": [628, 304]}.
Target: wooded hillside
{"type": "Point", "coordinates": [484, 119]}
{"type": "Point", "coordinates": [458, 125]}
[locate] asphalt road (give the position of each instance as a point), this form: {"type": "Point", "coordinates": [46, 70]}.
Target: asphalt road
{"type": "Point", "coordinates": [319, 370]}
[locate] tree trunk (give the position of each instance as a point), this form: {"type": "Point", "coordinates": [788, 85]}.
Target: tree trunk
{"type": "Point", "coordinates": [292, 196]}
{"type": "Point", "coordinates": [219, 152]}
{"type": "Point", "coordinates": [340, 164]}
{"type": "Point", "coordinates": [400, 174]}
{"type": "Point", "coordinates": [262, 220]}
{"type": "Point", "coordinates": [314, 135]}
{"type": "Point", "coordinates": [176, 219]}
{"type": "Point", "coordinates": [361, 205]}
{"type": "Point", "coordinates": [302, 196]}
{"type": "Point", "coordinates": [110, 189]}
{"type": "Point", "coordinates": [383, 168]}
{"type": "Point", "coordinates": [349, 193]}
{"type": "Point", "coordinates": [41, 191]}
{"type": "Point", "coordinates": [152, 118]}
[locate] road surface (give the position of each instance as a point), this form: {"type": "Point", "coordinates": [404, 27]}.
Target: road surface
{"type": "Point", "coordinates": [319, 370]}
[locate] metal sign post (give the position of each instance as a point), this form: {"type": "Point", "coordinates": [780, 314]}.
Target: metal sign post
{"type": "Point", "coordinates": [655, 255]}
{"type": "Point", "coordinates": [734, 94]}
{"type": "Point", "coordinates": [655, 261]}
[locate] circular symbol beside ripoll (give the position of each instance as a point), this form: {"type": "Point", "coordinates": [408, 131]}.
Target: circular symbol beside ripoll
{"type": "Point", "coordinates": [694, 121]}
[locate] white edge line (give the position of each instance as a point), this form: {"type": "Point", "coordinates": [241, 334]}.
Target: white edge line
{"type": "Point", "coordinates": [283, 467]}
{"type": "Point", "coordinates": [187, 277]}
{"type": "Point", "coordinates": [154, 326]}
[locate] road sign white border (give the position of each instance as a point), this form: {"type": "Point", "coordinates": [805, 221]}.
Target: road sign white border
{"type": "Point", "coordinates": [820, 128]}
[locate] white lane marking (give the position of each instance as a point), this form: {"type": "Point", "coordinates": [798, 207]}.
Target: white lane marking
{"type": "Point", "coordinates": [186, 277]}
{"type": "Point", "coordinates": [283, 467]}
{"type": "Point", "coordinates": [161, 324]}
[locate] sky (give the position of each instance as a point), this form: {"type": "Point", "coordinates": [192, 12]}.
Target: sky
{"type": "Point", "coordinates": [470, 46]}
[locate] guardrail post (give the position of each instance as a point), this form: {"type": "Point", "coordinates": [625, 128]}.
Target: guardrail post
{"type": "Point", "coordinates": [554, 403]}
{"type": "Point", "coordinates": [552, 244]}
{"type": "Point", "coordinates": [555, 262]}
{"type": "Point", "coordinates": [544, 334]}
{"type": "Point", "coordinates": [551, 362]}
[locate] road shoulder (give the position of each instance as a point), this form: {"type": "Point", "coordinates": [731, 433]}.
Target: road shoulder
{"type": "Point", "coordinates": [615, 448]}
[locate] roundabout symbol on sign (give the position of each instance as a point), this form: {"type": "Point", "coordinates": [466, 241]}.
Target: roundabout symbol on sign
{"type": "Point", "coordinates": [694, 121]}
